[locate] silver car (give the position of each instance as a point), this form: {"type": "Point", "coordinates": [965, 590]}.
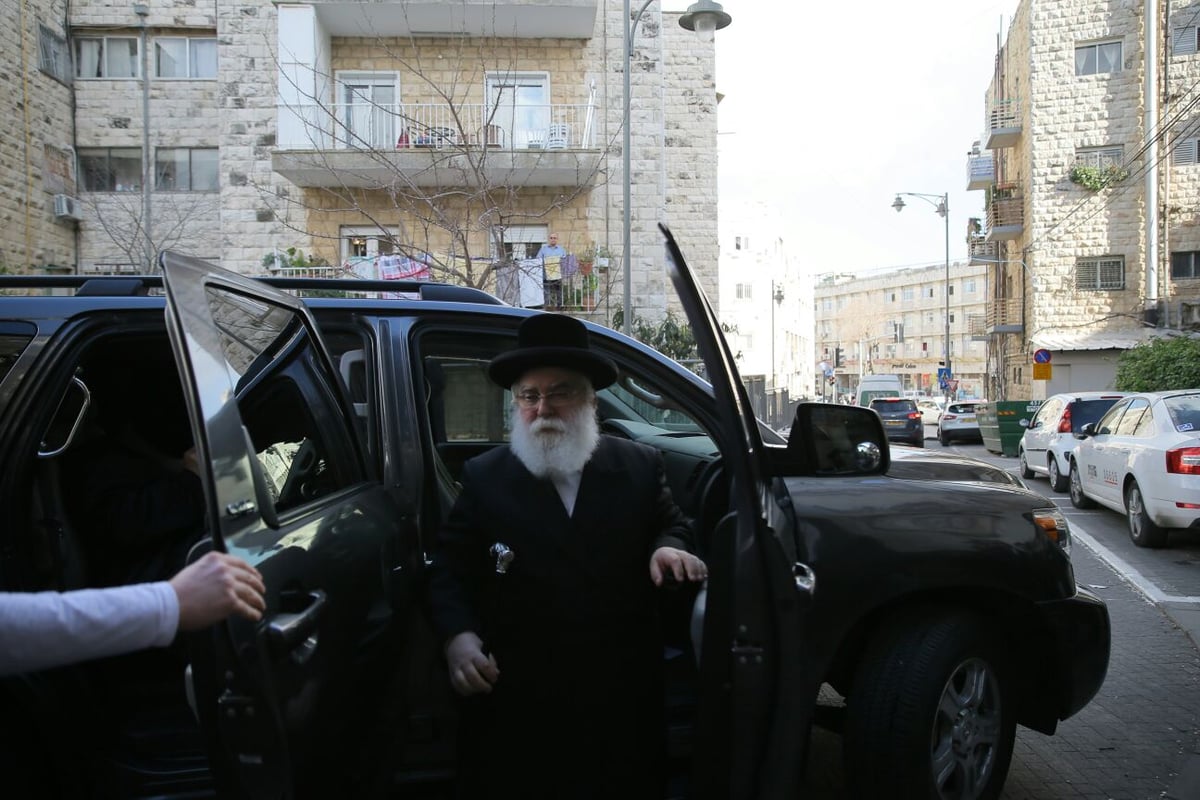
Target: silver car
{"type": "Point", "coordinates": [1047, 444]}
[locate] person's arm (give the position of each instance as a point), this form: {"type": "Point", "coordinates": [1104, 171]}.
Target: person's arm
{"type": "Point", "coordinates": [49, 629]}
{"type": "Point", "coordinates": [673, 541]}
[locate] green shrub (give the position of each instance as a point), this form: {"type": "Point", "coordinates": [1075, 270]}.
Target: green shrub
{"type": "Point", "coordinates": [1096, 178]}
{"type": "Point", "coordinates": [1160, 364]}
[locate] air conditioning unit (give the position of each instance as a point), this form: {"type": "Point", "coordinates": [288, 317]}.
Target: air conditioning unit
{"type": "Point", "coordinates": [1189, 315]}
{"type": "Point", "coordinates": [67, 207]}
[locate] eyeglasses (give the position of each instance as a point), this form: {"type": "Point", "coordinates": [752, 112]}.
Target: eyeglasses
{"type": "Point", "coordinates": [555, 398]}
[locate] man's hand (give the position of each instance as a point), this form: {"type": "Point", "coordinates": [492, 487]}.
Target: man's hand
{"type": "Point", "coordinates": [471, 670]}
{"type": "Point", "coordinates": [681, 564]}
{"type": "Point", "coordinates": [217, 585]}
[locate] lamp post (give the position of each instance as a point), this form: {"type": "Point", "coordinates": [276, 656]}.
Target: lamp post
{"type": "Point", "coordinates": [704, 17]}
{"type": "Point", "coordinates": [941, 203]}
{"type": "Point", "coordinates": [777, 296]}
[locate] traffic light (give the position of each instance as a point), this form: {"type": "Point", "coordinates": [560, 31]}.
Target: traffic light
{"type": "Point", "coordinates": [837, 357]}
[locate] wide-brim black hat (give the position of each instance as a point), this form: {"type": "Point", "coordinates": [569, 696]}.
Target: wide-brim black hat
{"type": "Point", "coordinates": [552, 340]}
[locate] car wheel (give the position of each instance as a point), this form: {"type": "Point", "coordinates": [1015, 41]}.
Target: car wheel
{"type": "Point", "coordinates": [1078, 498]}
{"type": "Point", "coordinates": [930, 714]}
{"type": "Point", "coordinates": [1142, 529]}
{"type": "Point", "coordinates": [944, 439]}
{"type": "Point", "coordinates": [1058, 481]}
{"type": "Point", "coordinates": [1026, 472]}
{"type": "Point", "coordinates": [919, 442]}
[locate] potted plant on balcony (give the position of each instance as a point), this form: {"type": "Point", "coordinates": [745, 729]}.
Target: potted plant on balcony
{"type": "Point", "coordinates": [1096, 178]}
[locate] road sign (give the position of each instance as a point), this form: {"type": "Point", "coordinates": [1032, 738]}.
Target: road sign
{"type": "Point", "coordinates": [1041, 372]}
{"type": "Point", "coordinates": [944, 377]}
{"type": "Point", "coordinates": [1041, 356]}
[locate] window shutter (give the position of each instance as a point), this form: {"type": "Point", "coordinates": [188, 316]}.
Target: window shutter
{"type": "Point", "coordinates": [1183, 41]}
{"type": "Point", "coordinates": [1184, 152]}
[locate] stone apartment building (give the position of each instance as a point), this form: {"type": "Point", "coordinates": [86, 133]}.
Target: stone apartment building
{"type": "Point", "coordinates": [1090, 168]}
{"type": "Point", "coordinates": [894, 322]}
{"type": "Point", "coordinates": [439, 139]}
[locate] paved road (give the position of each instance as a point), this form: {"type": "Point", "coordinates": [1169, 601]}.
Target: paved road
{"type": "Point", "coordinates": [1139, 739]}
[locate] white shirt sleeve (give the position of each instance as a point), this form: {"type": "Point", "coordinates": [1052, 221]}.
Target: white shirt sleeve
{"type": "Point", "coordinates": [48, 629]}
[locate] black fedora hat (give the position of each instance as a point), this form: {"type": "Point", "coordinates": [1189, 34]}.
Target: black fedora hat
{"type": "Point", "coordinates": [552, 340]}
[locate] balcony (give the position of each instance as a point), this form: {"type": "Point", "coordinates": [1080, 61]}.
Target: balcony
{"type": "Point", "coordinates": [982, 251]}
{"type": "Point", "coordinates": [981, 172]}
{"type": "Point", "coordinates": [520, 19]}
{"type": "Point", "coordinates": [1004, 315]}
{"type": "Point", "coordinates": [1006, 214]}
{"type": "Point", "coordinates": [429, 145]}
{"type": "Point", "coordinates": [1003, 124]}
{"type": "Point", "coordinates": [977, 327]}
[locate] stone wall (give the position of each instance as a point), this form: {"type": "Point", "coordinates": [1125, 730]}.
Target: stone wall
{"type": "Point", "coordinates": [36, 160]}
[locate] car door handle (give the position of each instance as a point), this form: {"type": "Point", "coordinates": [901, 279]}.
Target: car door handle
{"type": "Point", "coordinates": [288, 629]}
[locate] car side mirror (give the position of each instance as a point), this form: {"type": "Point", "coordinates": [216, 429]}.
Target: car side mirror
{"type": "Point", "coordinates": [828, 439]}
{"type": "Point", "coordinates": [1088, 429]}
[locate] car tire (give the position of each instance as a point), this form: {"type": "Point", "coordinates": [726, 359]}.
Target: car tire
{"type": "Point", "coordinates": [1078, 498]}
{"type": "Point", "coordinates": [935, 672]}
{"type": "Point", "coordinates": [1058, 481]}
{"type": "Point", "coordinates": [944, 439]}
{"type": "Point", "coordinates": [919, 442]}
{"type": "Point", "coordinates": [1026, 472]}
{"type": "Point", "coordinates": [1142, 529]}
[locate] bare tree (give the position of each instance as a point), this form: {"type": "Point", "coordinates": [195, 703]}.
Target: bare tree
{"type": "Point", "coordinates": [178, 222]}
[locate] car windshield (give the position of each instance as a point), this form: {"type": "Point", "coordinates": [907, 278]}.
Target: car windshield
{"type": "Point", "coordinates": [1085, 411]}
{"type": "Point", "coordinates": [893, 405]}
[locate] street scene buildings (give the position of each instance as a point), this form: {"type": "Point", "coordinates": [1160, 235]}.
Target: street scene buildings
{"type": "Point", "coordinates": [443, 141]}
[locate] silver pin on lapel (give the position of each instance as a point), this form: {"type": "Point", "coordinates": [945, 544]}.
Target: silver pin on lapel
{"type": "Point", "coordinates": [504, 557]}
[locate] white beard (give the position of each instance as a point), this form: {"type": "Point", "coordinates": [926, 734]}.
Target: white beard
{"type": "Point", "coordinates": [556, 446]}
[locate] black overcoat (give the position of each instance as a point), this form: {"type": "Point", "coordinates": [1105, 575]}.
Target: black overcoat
{"type": "Point", "coordinates": [573, 621]}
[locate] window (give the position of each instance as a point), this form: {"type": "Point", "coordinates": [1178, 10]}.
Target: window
{"type": "Point", "coordinates": [519, 103]}
{"type": "Point", "coordinates": [369, 115]}
{"type": "Point", "coordinates": [110, 169]}
{"type": "Point", "coordinates": [1185, 151]}
{"type": "Point", "coordinates": [106, 57]}
{"type": "Point", "coordinates": [1129, 423]}
{"type": "Point", "coordinates": [741, 243]}
{"type": "Point", "coordinates": [906, 294]}
{"type": "Point", "coordinates": [969, 286]}
{"type": "Point", "coordinates": [54, 58]}
{"type": "Point", "coordinates": [1100, 157]}
{"type": "Point", "coordinates": [1185, 264]}
{"type": "Point", "coordinates": [1184, 40]}
{"type": "Point", "coordinates": [1105, 272]}
{"type": "Point", "coordinates": [180, 57]}
{"type": "Point", "coordinates": [184, 169]}
{"type": "Point", "coordinates": [745, 291]}
{"type": "Point", "coordinates": [1098, 57]}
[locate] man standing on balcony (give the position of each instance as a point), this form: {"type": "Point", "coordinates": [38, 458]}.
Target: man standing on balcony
{"type": "Point", "coordinates": [552, 255]}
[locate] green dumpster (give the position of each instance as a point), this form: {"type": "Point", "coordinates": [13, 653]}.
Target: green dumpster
{"type": "Point", "coordinates": [1000, 423]}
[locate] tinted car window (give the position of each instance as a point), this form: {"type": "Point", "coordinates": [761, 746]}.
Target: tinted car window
{"type": "Point", "coordinates": [884, 406]}
{"type": "Point", "coordinates": [962, 408]}
{"type": "Point", "coordinates": [1184, 411]}
{"type": "Point", "coordinates": [1085, 411]}
{"type": "Point", "coordinates": [14, 336]}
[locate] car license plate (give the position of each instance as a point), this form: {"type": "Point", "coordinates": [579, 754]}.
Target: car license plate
{"type": "Point", "coordinates": [967, 419]}
{"type": "Point", "coordinates": [894, 422]}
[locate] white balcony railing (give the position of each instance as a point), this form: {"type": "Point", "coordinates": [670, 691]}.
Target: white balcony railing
{"type": "Point", "coordinates": [366, 126]}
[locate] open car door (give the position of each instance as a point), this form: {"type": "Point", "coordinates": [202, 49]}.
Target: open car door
{"type": "Point", "coordinates": [756, 695]}
{"type": "Point", "coordinates": [289, 705]}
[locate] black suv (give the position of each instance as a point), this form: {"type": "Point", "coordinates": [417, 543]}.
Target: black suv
{"type": "Point", "coordinates": [330, 432]}
{"type": "Point", "coordinates": [901, 420]}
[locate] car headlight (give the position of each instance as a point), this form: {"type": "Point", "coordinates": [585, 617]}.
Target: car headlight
{"type": "Point", "coordinates": [1055, 526]}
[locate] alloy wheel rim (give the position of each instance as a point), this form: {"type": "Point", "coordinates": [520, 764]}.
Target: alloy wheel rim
{"type": "Point", "coordinates": [966, 732]}
{"type": "Point", "coordinates": [1135, 512]}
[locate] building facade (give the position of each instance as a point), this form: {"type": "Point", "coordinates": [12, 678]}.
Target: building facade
{"type": "Point", "coordinates": [443, 140]}
{"type": "Point", "coordinates": [1090, 227]}
{"type": "Point", "coordinates": [894, 322]}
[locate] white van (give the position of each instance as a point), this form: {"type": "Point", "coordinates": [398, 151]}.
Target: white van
{"type": "Point", "coordinates": [872, 386]}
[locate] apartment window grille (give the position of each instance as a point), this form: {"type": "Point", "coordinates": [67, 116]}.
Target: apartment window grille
{"type": "Point", "coordinates": [1100, 157]}
{"type": "Point", "coordinates": [745, 291]}
{"type": "Point", "coordinates": [969, 286]}
{"type": "Point", "coordinates": [1184, 41]}
{"type": "Point", "coordinates": [1104, 272]}
{"type": "Point", "coordinates": [185, 57]}
{"type": "Point", "coordinates": [906, 294]}
{"type": "Point", "coordinates": [1185, 151]}
{"type": "Point", "coordinates": [186, 169]}
{"type": "Point", "coordinates": [1097, 58]}
{"type": "Point", "coordinates": [54, 58]}
{"type": "Point", "coordinates": [1185, 264]}
{"type": "Point", "coordinates": [110, 169]}
{"type": "Point", "coordinates": [106, 57]}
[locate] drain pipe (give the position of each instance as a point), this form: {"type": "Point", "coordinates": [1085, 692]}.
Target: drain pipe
{"type": "Point", "coordinates": [1150, 123]}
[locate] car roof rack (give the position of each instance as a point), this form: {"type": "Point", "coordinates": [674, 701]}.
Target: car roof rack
{"type": "Point", "coordinates": [136, 285]}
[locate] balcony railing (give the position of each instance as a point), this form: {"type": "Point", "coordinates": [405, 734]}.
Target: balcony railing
{"type": "Point", "coordinates": [1006, 214]}
{"type": "Point", "coordinates": [982, 251]}
{"type": "Point", "coordinates": [437, 126]}
{"type": "Point", "coordinates": [1003, 123]}
{"type": "Point", "coordinates": [1004, 315]}
{"type": "Point", "coordinates": [981, 172]}
{"type": "Point", "coordinates": [977, 327]}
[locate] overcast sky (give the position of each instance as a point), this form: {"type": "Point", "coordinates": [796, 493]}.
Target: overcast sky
{"type": "Point", "coordinates": [831, 108]}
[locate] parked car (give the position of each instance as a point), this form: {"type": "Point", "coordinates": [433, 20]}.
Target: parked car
{"type": "Point", "coordinates": [931, 411]}
{"type": "Point", "coordinates": [330, 432]}
{"type": "Point", "coordinates": [1046, 444]}
{"type": "Point", "coordinates": [921, 464]}
{"type": "Point", "coordinates": [901, 420]}
{"type": "Point", "coordinates": [958, 423]}
{"type": "Point", "coordinates": [1142, 459]}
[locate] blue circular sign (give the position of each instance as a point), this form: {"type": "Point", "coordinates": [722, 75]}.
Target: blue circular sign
{"type": "Point", "coordinates": [1041, 356]}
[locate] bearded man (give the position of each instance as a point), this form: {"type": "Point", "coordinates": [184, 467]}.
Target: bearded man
{"type": "Point", "coordinates": [543, 587]}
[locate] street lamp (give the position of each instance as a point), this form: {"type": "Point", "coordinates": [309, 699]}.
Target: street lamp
{"type": "Point", "coordinates": [705, 17]}
{"type": "Point", "coordinates": [941, 203]}
{"type": "Point", "coordinates": [777, 296]}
